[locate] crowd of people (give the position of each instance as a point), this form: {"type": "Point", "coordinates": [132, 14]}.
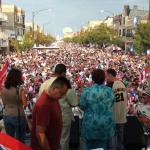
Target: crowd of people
{"type": "Point", "coordinates": [106, 85]}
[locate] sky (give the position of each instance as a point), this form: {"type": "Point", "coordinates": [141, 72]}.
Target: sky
{"type": "Point", "coordinates": [71, 13]}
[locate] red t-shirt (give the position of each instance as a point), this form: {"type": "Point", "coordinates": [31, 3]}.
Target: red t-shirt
{"type": "Point", "coordinates": [47, 113]}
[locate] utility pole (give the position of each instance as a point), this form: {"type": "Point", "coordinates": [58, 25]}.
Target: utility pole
{"type": "Point", "coordinates": [0, 6]}
{"type": "Point", "coordinates": [149, 11]}
{"type": "Point", "coordinates": [33, 19]}
{"type": "Point", "coordinates": [33, 15]}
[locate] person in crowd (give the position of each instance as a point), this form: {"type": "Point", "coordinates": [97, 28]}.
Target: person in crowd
{"type": "Point", "coordinates": [47, 118]}
{"type": "Point", "coordinates": [98, 125]}
{"type": "Point", "coordinates": [120, 105]}
{"type": "Point", "coordinates": [67, 102]}
{"type": "Point", "coordinates": [37, 67]}
{"type": "Point", "coordinates": [14, 98]}
{"type": "Point", "coordinates": [60, 70]}
{"type": "Point", "coordinates": [143, 109]}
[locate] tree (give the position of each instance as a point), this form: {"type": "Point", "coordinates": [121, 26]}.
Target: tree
{"type": "Point", "coordinates": [41, 38]}
{"type": "Point", "coordinates": [99, 35]}
{"type": "Point", "coordinates": [119, 42]}
{"type": "Point", "coordinates": [138, 44]}
{"type": "Point", "coordinates": [142, 37]}
{"type": "Point", "coordinates": [49, 39]}
{"type": "Point", "coordinates": [14, 45]}
{"type": "Point", "coordinates": [27, 41]}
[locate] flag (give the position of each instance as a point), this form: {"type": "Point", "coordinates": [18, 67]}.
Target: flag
{"type": "Point", "coordinates": [3, 147]}
{"type": "Point", "coordinates": [9, 143]}
{"type": "Point", "coordinates": [3, 73]}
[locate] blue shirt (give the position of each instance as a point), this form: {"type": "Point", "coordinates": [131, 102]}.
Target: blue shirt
{"type": "Point", "coordinates": [98, 122]}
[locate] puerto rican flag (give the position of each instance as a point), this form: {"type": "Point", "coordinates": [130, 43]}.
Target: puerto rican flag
{"type": "Point", "coordinates": [3, 147]}
{"type": "Point", "coordinates": [3, 73]}
{"type": "Point", "coordinates": [9, 143]}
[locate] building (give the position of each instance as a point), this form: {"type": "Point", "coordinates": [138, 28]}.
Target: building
{"type": "Point", "coordinates": [29, 27]}
{"type": "Point", "coordinates": [16, 21]}
{"type": "Point", "coordinates": [93, 23]}
{"type": "Point", "coordinates": [68, 32]}
{"type": "Point", "coordinates": [117, 20]}
{"type": "Point", "coordinates": [3, 34]}
{"type": "Point", "coordinates": [131, 18]}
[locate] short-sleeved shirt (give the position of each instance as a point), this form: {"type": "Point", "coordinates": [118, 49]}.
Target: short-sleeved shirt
{"type": "Point", "coordinates": [47, 113]}
{"type": "Point", "coordinates": [98, 122]}
{"type": "Point", "coordinates": [119, 108]}
{"type": "Point", "coordinates": [46, 85]}
{"type": "Point", "coordinates": [70, 99]}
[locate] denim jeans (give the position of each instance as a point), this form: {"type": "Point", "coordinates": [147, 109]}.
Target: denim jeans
{"type": "Point", "coordinates": [93, 144]}
{"type": "Point", "coordinates": [15, 127]}
{"type": "Point", "coordinates": [119, 134]}
{"type": "Point", "coordinates": [112, 143]}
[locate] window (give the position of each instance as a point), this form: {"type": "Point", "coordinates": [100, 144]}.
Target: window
{"type": "Point", "coordinates": [124, 21]}
{"type": "Point", "coordinates": [124, 32]}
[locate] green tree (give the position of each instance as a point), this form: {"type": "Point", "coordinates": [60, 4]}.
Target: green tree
{"type": "Point", "coordinates": [27, 41]}
{"type": "Point", "coordinates": [138, 44]}
{"type": "Point", "coordinates": [49, 39]}
{"type": "Point", "coordinates": [41, 38]}
{"type": "Point", "coordinates": [67, 40]}
{"type": "Point", "coordinates": [14, 45]}
{"type": "Point", "coordinates": [118, 41]}
{"type": "Point", "coordinates": [98, 35]}
{"type": "Point", "coordinates": [142, 38]}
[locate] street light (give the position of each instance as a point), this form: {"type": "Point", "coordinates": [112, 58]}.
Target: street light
{"type": "Point", "coordinates": [45, 25]}
{"type": "Point", "coordinates": [0, 10]}
{"type": "Point", "coordinates": [33, 16]}
{"type": "Point", "coordinates": [149, 10]}
{"type": "Point", "coordinates": [107, 11]}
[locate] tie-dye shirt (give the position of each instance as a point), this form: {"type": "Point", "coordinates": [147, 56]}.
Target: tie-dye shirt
{"type": "Point", "coordinates": [98, 122]}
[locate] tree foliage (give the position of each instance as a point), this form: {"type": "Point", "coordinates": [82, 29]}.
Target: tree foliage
{"type": "Point", "coordinates": [43, 39]}
{"type": "Point", "coordinates": [142, 38]}
{"type": "Point", "coordinates": [99, 35]}
{"type": "Point", "coordinates": [28, 41]}
{"type": "Point", "coordinates": [14, 45]}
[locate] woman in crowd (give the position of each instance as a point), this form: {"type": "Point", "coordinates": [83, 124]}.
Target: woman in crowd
{"type": "Point", "coordinates": [14, 98]}
{"type": "Point", "coordinates": [98, 123]}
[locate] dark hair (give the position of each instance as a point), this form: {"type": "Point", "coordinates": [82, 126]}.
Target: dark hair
{"type": "Point", "coordinates": [112, 72]}
{"type": "Point", "coordinates": [14, 78]}
{"type": "Point", "coordinates": [60, 82]}
{"type": "Point", "coordinates": [98, 76]}
{"type": "Point", "coordinates": [60, 68]}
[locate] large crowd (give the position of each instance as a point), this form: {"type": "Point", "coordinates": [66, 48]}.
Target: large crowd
{"type": "Point", "coordinates": [38, 65]}
{"type": "Point", "coordinates": [132, 70]}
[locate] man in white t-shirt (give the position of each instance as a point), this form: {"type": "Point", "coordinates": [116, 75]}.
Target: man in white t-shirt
{"type": "Point", "coordinates": [119, 108]}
